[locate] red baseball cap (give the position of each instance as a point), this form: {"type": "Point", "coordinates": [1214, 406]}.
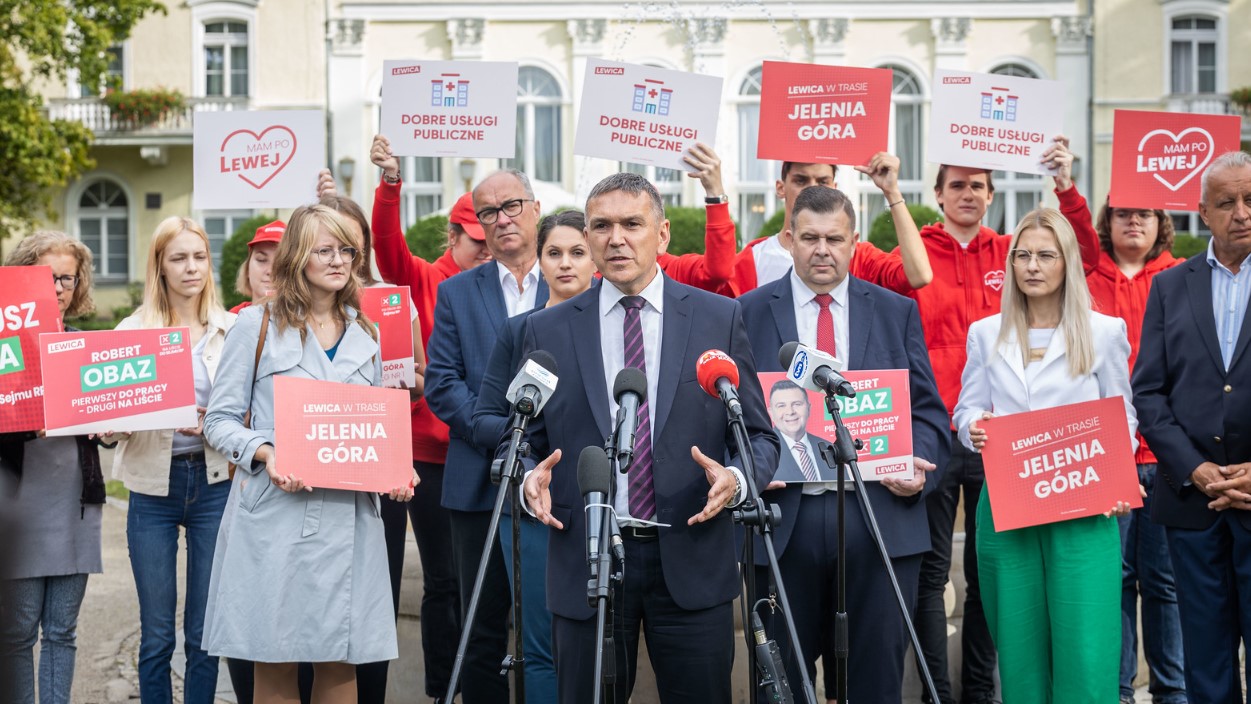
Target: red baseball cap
{"type": "Point", "coordinates": [463, 214]}
{"type": "Point", "coordinates": [269, 233]}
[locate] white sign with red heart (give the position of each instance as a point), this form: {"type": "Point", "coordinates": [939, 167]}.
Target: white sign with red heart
{"type": "Point", "coordinates": [257, 159]}
{"type": "Point", "coordinates": [1173, 163]}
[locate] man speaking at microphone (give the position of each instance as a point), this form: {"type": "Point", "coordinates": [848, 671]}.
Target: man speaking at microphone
{"type": "Point", "coordinates": [680, 576]}
{"type": "Point", "coordinates": [862, 326]}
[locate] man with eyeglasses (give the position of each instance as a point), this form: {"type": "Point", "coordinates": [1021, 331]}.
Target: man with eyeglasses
{"type": "Point", "coordinates": [468, 316]}
{"type": "Point", "coordinates": [968, 261]}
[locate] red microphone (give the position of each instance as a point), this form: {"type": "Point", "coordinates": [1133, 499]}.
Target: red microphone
{"type": "Point", "coordinates": [718, 375]}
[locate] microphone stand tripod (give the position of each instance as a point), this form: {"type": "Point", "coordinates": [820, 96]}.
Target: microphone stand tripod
{"type": "Point", "coordinates": [754, 512]}
{"type": "Point", "coordinates": [841, 455]}
{"type": "Point", "coordinates": [605, 573]}
{"type": "Point", "coordinates": [507, 474]}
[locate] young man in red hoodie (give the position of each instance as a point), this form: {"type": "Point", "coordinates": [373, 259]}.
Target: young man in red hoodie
{"type": "Point", "coordinates": [765, 260]}
{"type": "Point", "coordinates": [969, 261]}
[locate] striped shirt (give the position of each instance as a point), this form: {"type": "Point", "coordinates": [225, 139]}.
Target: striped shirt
{"type": "Point", "coordinates": [1229, 302]}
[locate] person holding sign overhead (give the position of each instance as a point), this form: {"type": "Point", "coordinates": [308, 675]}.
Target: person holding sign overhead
{"type": "Point", "coordinates": [175, 478]}
{"type": "Point", "coordinates": [1051, 592]}
{"type": "Point", "coordinates": [765, 260]}
{"type": "Point", "coordinates": [1191, 392]}
{"type": "Point", "coordinates": [320, 553]}
{"type": "Point", "coordinates": [863, 326]}
{"type": "Point", "coordinates": [1135, 245]}
{"type": "Point", "coordinates": [968, 260]}
{"type": "Point", "coordinates": [51, 496]}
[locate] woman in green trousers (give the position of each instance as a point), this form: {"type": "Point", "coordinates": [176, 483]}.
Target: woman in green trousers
{"type": "Point", "coordinates": [1052, 592]}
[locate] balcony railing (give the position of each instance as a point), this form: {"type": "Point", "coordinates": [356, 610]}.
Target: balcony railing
{"type": "Point", "coordinates": [96, 116]}
{"type": "Point", "coordinates": [1205, 104]}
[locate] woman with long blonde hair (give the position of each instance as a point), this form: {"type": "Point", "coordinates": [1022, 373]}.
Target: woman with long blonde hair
{"type": "Point", "coordinates": [176, 479]}
{"type": "Point", "coordinates": [318, 555]}
{"type": "Point", "coordinates": [1051, 592]}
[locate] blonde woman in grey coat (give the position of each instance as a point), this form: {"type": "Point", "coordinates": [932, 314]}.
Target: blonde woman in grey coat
{"type": "Point", "coordinates": [300, 574]}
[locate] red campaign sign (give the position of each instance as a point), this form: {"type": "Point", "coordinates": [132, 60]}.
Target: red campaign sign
{"type": "Point", "coordinates": [28, 307]}
{"type": "Point", "coordinates": [389, 309]}
{"type": "Point", "coordinates": [880, 416]}
{"type": "Point", "coordinates": [1059, 463]}
{"type": "Point", "coordinates": [1158, 157]}
{"type": "Point", "coordinates": [120, 380]}
{"type": "Point", "coordinates": [343, 436]}
{"type": "Point", "coordinates": [811, 113]}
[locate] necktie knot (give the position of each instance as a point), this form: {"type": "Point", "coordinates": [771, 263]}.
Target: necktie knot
{"type": "Point", "coordinates": [823, 299]}
{"type": "Point", "coordinates": [633, 302]}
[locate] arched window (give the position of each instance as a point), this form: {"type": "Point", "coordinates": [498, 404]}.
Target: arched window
{"type": "Point", "coordinates": [756, 199]}
{"type": "Point", "coordinates": [907, 142]}
{"type": "Point", "coordinates": [539, 106]}
{"type": "Point", "coordinates": [104, 226]}
{"type": "Point", "coordinates": [1015, 193]}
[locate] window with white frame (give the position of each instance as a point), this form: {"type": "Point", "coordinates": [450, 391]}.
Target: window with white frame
{"type": "Point", "coordinates": [539, 106]}
{"type": "Point", "coordinates": [667, 181]}
{"type": "Point", "coordinates": [1193, 57]}
{"type": "Point", "coordinates": [1189, 223]}
{"type": "Point", "coordinates": [104, 226]}
{"type": "Point", "coordinates": [1015, 193]}
{"type": "Point", "coordinates": [422, 191]}
{"type": "Point", "coordinates": [113, 78]}
{"type": "Point", "coordinates": [907, 143]}
{"type": "Point", "coordinates": [226, 58]}
{"type": "Point", "coordinates": [757, 199]}
{"type": "Point", "coordinates": [219, 227]}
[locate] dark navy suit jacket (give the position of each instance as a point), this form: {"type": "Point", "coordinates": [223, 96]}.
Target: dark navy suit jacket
{"type": "Point", "coordinates": [788, 468]}
{"type": "Point", "coordinates": [698, 562]}
{"type": "Point", "coordinates": [885, 333]}
{"type": "Point", "coordinates": [468, 317]}
{"type": "Point", "coordinates": [1190, 409]}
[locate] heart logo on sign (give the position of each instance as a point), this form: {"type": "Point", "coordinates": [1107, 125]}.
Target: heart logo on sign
{"type": "Point", "coordinates": [1179, 159]}
{"type": "Point", "coordinates": [262, 159]}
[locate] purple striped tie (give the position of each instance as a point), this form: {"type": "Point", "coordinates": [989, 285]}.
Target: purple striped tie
{"type": "Point", "coordinates": [642, 494]}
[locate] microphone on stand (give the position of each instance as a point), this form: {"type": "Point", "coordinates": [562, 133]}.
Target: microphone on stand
{"type": "Point", "coordinates": [595, 483]}
{"type": "Point", "coordinates": [814, 369]}
{"type": "Point", "coordinates": [630, 390]}
{"type": "Point", "coordinates": [531, 389]}
{"type": "Point", "coordinates": [718, 375]}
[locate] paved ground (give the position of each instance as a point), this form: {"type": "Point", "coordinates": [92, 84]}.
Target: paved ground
{"type": "Point", "coordinates": [108, 635]}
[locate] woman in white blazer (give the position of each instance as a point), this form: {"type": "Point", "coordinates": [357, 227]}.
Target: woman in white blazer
{"type": "Point", "coordinates": [300, 574]}
{"type": "Point", "coordinates": [1052, 592]}
{"type": "Point", "coordinates": [175, 479]}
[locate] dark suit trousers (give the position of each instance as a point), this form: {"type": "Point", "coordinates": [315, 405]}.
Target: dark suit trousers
{"type": "Point", "coordinates": [877, 637]}
{"type": "Point", "coordinates": [480, 680]}
{"type": "Point", "coordinates": [1213, 572]}
{"type": "Point", "coordinates": [692, 652]}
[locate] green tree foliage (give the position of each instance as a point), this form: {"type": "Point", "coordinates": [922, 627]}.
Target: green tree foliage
{"type": "Point", "coordinates": [772, 226]}
{"type": "Point", "coordinates": [882, 233]}
{"type": "Point", "coordinates": [427, 238]}
{"type": "Point", "coordinates": [234, 251]}
{"type": "Point", "coordinates": [1186, 246]}
{"type": "Point", "coordinates": [45, 39]}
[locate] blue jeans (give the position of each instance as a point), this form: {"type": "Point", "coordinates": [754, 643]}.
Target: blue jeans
{"type": "Point", "coordinates": [536, 619]}
{"type": "Point", "coordinates": [26, 605]}
{"type": "Point", "coordinates": [152, 536]}
{"type": "Point", "coordinates": [1147, 570]}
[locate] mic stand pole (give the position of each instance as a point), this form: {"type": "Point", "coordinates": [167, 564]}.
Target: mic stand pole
{"type": "Point", "coordinates": [760, 516]}
{"type": "Point", "coordinates": [599, 592]}
{"type": "Point", "coordinates": [506, 473]}
{"type": "Point", "coordinates": [842, 456]}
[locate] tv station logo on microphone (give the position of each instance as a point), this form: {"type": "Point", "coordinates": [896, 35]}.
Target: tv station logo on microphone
{"type": "Point", "coordinates": [799, 367]}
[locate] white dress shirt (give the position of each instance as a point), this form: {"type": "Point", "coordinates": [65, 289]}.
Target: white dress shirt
{"type": "Point", "coordinates": [772, 260]}
{"type": "Point", "coordinates": [806, 310]}
{"type": "Point", "coordinates": [519, 301]}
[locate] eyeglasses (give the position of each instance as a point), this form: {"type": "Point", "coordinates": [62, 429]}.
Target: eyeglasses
{"type": "Point", "coordinates": [326, 254]}
{"type": "Point", "coordinates": [511, 208]}
{"type": "Point", "coordinates": [1046, 257]}
{"type": "Point", "coordinates": [1126, 214]}
{"type": "Point", "coordinates": [67, 281]}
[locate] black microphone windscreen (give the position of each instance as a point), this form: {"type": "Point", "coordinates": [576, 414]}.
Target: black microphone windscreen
{"type": "Point", "coordinates": [630, 380]}
{"type": "Point", "coordinates": [542, 358]}
{"type": "Point", "coordinates": [594, 471]}
{"type": "Point", "coordinates": [787, 354]}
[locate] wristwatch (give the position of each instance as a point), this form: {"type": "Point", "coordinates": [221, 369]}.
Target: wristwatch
{"type": "Point", "coordinates": [716, 200]}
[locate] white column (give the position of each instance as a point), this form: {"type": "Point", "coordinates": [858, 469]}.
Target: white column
{"type": "Point", "coordinates": [1073, 66]}
{"type": "Point", "coordinates": [350, 135]}
{"type": "Point", "coordinates": [586, 38]}
{"type": "Point", "coordinates": [827, 40]}
{"type": "Point", "coordinates": [708, 57]}
{"type": "Point", "coordinates": [950, 49]}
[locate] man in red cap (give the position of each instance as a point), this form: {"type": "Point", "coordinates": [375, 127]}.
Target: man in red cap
{"type": "Point", "coordinates": [254, 280]}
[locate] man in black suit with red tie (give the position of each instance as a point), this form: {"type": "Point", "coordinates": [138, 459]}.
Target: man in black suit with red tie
{"type": "Point", "coordinates": [863, 327]}
{"type": "Point", "coordinates": [681, 572]}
